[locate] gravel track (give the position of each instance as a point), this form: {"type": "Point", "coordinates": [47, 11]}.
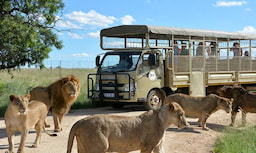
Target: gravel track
{"type": "Point", "coordinates": [191, 139]}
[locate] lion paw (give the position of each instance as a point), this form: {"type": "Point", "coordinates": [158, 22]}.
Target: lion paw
{"type": "Point", "coordinates": [231, 124]}
{"type": "Point", "coordinates": [20, 151]}
{"type": "Point", "coordinates": [47, 125]}
{"type": "Point", "coordinates": [34, 146]}
{"type": "Point", "coordinates": [58, 130]}
{"type": "Point", "coordinates": [206, 128]}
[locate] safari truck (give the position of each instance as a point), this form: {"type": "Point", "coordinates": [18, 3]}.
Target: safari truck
{"type": "Point", "coordinates": [146, 63]}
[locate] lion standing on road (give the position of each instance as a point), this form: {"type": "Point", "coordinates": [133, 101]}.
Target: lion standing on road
{"type": "Point", "coordinates": [110, 133]}
{"type": "Point", "coordinates": [200, 107]}
{"type": "Point", "coordinates": [243, 100]}
{"type": "Point", "coordinates": [59, 96]}
{"type": "Point", "coordinates": [22, 115]}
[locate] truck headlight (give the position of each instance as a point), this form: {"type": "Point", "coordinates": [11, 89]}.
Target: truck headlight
{"type": "Point", "coordinates": [97, 87]}
{"type": "Point", "coordinates": [132, 87]}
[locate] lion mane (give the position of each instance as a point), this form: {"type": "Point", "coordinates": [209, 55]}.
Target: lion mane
{"type": "Point", "coordinates": [59, 96]}
{"type": "Point", "coordinates": [63, 99]}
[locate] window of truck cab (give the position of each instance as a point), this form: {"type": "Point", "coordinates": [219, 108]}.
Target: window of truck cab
{"type": "Point", "coordinates": [119, 62]}
{"type": "Point", "coordinates": [144, 65]}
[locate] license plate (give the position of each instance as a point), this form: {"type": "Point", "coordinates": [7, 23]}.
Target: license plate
{"type": "Point", "coordinates": [109, 95]}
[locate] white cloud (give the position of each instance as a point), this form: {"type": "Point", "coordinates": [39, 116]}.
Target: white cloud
{"type": "Point", "coordinates": [127, 19]}
{"type": "Point", "coordinates": [67, 24]}
{"type": "Point", "coordinates": [149, 19]}
{"type": "Point", "coordinates": [75, 36]}
{"type": "Point", "coordinates": [230, 3]}
{"type": "Point", "coordinates": [80, 55]}
{"type": "Point", "coordinates": [91, 18]}
{"type": "Point", "coordinates": [248, 9]}
{"type": "Point", "coordinates": [248, 29]}
{"type": "Point", "coordinates": [94, 34]}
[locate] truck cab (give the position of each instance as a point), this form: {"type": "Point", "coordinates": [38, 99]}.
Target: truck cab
{"type": "Point", "coordinates": [127, 76]}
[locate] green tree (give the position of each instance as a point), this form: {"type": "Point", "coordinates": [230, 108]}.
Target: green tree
{"type": "Point", "coordinates": [27, 31]}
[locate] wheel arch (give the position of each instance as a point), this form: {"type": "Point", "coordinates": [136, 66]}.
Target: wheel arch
{"type": "Point", "coordinates": [161, 91]}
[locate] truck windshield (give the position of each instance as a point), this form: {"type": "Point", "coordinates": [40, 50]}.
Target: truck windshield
{"type": "Point", "coordinates": [119, 62]}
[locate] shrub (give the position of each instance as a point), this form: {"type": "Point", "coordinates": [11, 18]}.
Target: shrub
{"type": "Point", "coordinates": [2, 88]}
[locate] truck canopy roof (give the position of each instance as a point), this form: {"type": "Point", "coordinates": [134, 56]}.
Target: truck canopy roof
{"type": "Point", "coordinates": [162, 32]}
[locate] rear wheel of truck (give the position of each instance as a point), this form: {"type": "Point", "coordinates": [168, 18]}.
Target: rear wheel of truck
{"type": "Point", "coordinates": [154, 100]}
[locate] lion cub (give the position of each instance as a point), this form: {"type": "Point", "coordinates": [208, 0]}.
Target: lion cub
{"type": "Point", "coordinates": [22, 115]}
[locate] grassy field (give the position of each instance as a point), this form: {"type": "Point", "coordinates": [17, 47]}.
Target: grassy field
{"type": "Point", "coordinates": [237, 141]}
{"type": "Point", "coordinates": [25, 79]}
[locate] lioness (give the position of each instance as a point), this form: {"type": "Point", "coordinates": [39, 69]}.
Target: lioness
{"type": "Point", "coordinates": [22, 115]}
{"type": "Point", "coordinates": [108, 133]}
{"type": "Point", "coordinates": [243, 100]}
{"type": "Point", "coordinates": [200, 107]}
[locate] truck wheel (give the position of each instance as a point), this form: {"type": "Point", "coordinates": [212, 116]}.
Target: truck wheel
{"type": "Point", "coordinates": [154, 100]}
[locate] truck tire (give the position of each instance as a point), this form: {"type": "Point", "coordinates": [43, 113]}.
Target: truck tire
{"type": "Point", "coordinates": [154, 100]}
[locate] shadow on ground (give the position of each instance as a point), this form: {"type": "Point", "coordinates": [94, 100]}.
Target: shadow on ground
{"type": "Point", "coordinates": [106, 110]}
{"type": "Point", "coordinates": [193, 128]}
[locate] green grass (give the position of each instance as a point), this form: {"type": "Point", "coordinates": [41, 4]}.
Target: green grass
{"type": "Point", "coordinates": [25, 79]}
{"type": "Point", "coordinates": [237, 141]}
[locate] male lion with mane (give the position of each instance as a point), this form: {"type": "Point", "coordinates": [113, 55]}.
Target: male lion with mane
{"type": "Point", "coordinates": [21, 115]}
{"type": "Point", "coordinates": [109, 133]}
{"type": "Point", "coordinates": [200, 107]}
{"type": "Point", "coordinates": [59, 96]}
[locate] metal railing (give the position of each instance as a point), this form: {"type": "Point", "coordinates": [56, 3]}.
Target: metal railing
{"type": "Point", "coordinates": [213, 64]}
{"type": "Point", "coordinates": [109, 86]}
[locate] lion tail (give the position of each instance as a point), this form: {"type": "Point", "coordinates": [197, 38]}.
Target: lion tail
{"type": "Point", "coordinates": [71, 137]}
{"type": "Point", "coordinates": [50, 134]}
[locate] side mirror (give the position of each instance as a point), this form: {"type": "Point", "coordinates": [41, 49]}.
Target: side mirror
{"type": "Point", "coordinates": [97, 61]}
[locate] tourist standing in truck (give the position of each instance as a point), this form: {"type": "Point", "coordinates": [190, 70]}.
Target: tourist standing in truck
{"type": "Point", "coordinates": [184, 50]}
{"type": "Point", "coordinates": [199, 49]}
{"type": "Point", "coordinates": [236, 49]}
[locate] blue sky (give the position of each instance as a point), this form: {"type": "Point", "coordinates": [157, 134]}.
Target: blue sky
{"type": "Point", "coordinates": [82, 20]}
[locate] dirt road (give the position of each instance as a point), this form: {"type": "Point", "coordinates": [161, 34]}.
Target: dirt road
{"type": "Point", "coordinates": [191, 139]}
